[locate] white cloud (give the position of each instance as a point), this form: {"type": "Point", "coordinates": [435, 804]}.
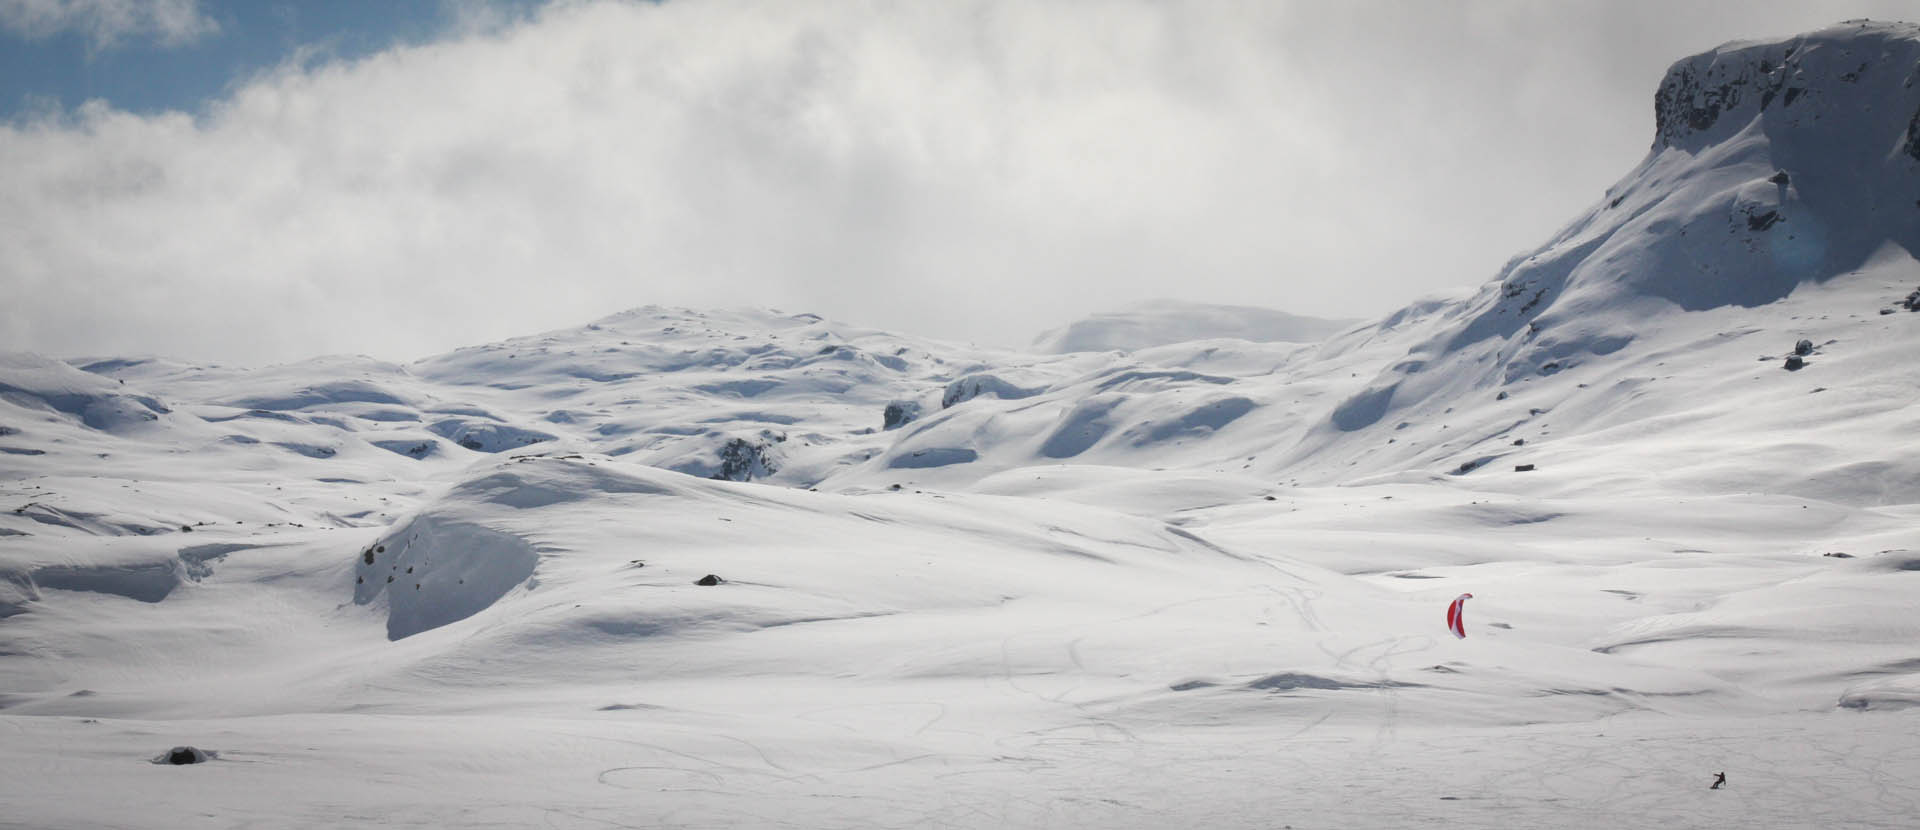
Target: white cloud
{"type": "Point", "coordinates": [973, 170]}
{"type": "Point", "coordinates": [106, 22]}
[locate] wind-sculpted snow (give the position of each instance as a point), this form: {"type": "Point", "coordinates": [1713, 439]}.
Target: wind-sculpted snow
{"type": "Point", "coordinates": [982, 384]}
{"type": "Point", "coordinates": [485, 436]}
{"type": "Point", "coordinates": [39, 383]}
{"type": "Point", "coordinates": [346, 391]}
{"type": "Point", "coordinates": [436, 571]}
{"type": "Point", "coordinates": [533, 532]}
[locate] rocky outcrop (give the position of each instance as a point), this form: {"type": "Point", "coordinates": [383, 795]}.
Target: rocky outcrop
{"type": "Point", "coordinates": [1695, 94]}
{"type": "Point", "coordinates": [744, 460]}
{"type": "Point", "coordinates": [1740, 80]}
{"type": "Point", "coordinates": [899, 414]}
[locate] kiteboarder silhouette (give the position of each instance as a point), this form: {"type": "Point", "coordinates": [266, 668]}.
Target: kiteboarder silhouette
{"type": "Point", "coordinates": [1719, 781]}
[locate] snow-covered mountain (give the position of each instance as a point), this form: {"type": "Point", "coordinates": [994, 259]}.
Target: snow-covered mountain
{"type": "Point", "coordinates": [1178, 564]}
{"type": "Point", "coordinates": [1166, 322]}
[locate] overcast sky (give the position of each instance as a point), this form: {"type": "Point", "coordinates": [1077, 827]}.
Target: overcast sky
{"type": "Point", "coordinates": [251, 182]}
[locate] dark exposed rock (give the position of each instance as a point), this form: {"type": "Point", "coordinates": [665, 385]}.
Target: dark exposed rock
{"type": "Point", "coordinates": [742, 460]}
{"type": "Point", "coordinates": [1781, 178]}
{"type": "Point", "coordinates": [1804, 347]}
{"type": "Point", "coordinates": [709, 580]}
{"type": "Point", "coordinates": [1762, 221]}
{"type": "Point", "coordinates": [1913, 137]}
{"type": "Point", "coordinates": [899, 413]}
{"type": "Point", "coordinates": [183, 755]}
{"type": "Point", "coordinates": [1795, 363]}
{"type": "Point", "coordinates": [1692, 99]}
{"type": "Point", "coordinates": [1523, 468]}
{"type": "Point", "coordinates": [1696, 93]}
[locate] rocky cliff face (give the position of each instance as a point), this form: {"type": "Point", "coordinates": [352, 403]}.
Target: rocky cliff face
{"type": "Point", "coordinates": [1805, 81]}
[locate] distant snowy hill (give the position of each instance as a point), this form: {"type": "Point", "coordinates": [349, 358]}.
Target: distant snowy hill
{"type": "Point", "coordinates": [751, 568]}
{"type": "Point", "coordinates": [1165, 322]}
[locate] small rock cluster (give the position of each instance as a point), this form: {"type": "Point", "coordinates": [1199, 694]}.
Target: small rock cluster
{"type": "Point", "coordinates": [1798, 360]}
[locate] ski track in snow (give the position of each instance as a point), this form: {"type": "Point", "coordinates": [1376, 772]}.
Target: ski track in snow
{"type": "Point", "coordinates": [1785, 771]}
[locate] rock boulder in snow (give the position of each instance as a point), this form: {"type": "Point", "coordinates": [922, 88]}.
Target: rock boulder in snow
{"type": "Point", "coordinates": [184, 755]}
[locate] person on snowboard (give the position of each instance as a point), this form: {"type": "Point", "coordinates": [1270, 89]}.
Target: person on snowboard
{"type": "Point", "coordinates": [1719, 781]}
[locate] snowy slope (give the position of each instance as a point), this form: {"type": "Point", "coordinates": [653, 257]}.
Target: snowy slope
{"type": "Point", "coordinates": [1776, 169]}
{"type": "Point", "coordinates": [1181, 565]}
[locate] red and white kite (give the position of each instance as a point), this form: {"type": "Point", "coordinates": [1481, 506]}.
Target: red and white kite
{"type": "Point", "coordinates": [1457, 616]}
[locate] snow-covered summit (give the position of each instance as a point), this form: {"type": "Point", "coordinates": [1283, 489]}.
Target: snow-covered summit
{"type": "Point", "coordinates": [1164, 322]}
{"type": "Point", "coordinates": [1707, 97]}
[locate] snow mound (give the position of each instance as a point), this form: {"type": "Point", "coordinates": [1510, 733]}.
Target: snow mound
{"type": "Point", "coordinates": [987, 385]}
{"type": "Point", "coordinates": [39, 383]}
{"type": "Point", "coordinates": [334, 392]}
{"type": "Point", "coordinates": [480, 435]}
{"type": "Point", "coordinates": [1165, 322]}
{"type": "Point", "coordinates": [1901, 692]}
{"type": "Point", "coordinates": [144, 581]}
{"type": "Point", "coordinates": [439, 569]}
{"type": "Point", "coordinates": [466, 550]}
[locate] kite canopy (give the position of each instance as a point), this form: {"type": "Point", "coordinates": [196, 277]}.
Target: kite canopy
{"type": "Point", "coordinates": [1457, 616]}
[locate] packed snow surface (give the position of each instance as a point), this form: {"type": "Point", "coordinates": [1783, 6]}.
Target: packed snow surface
{"type": "Point", "coordinates": [1180, 565]}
